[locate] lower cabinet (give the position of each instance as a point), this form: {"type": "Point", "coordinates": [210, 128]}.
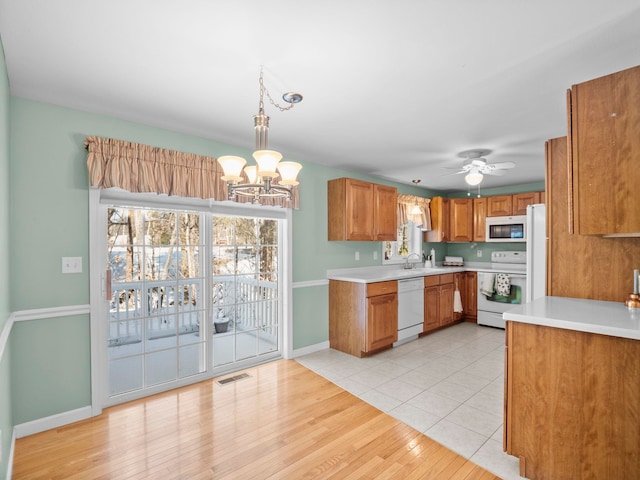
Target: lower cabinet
{"type": "Point", "coordinates": [571, 403]}
{"type": "Point", "coordinates": [438, 301]}
{"type": "Point", "coordinates": [381, 328]}
{"type": "Point", "coordinates": [363, 317]}
{"type": "Point", "coordinates": [469, 291]}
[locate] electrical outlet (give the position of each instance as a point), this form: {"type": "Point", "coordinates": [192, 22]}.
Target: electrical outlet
{"type": "Point", "coordinates": [357, 256]}
{"type": "Point", "coordinates": [71, 264]}
{"type": "Point", "coordinates": [375, 255]}
{"type": "Point", "coordinates": [479, 253]}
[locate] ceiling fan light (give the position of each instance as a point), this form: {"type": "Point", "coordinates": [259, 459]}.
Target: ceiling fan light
{"type": "Point", "coordinates": [289, 173]}
{"type": "Point", "coordinates": [473, 178]}
{"type": "Point", "coordinates": [232, 167]}
{"type": "Point", "coordinates": [267, 161]}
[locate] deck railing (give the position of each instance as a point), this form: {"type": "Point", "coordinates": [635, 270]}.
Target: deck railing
{"type": "Point", "coordinates": [173, 307]}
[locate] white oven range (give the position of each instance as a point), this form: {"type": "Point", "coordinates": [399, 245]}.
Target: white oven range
{"type": "Point", "coordinates": [501, 288]}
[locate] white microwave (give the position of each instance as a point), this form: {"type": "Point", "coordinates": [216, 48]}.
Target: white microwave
{"type": "Point", "coordinates": [506, 229]}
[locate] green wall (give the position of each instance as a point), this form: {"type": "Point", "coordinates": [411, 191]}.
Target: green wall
{"type": "Point", "coordinates": [51, 357]}
{"type": "Point", "coordinates": [6, 422]}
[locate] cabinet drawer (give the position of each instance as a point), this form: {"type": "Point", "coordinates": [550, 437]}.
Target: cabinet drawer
{"type": "Point", "coordinates": [432, 280]}
{"type": "Point", "coordinates": [446, 278]}
{"type": "Point", "coordinates": [381, 288]}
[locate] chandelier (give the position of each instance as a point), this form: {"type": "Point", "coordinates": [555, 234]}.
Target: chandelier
{"type": "Point", "coordinates": [268, 162]}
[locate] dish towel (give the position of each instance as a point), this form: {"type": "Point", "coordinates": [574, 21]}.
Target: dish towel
{"type": "Point", "coordinates": [503, 284]}
{"type": "Point", "coordinates": [488, 281]}
{"type": "Point", "coordinates": [457, 301]}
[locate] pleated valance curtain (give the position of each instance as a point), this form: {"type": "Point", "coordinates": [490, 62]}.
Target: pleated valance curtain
{"type": "Point", "coordinates": [406, 203]}
{"type": "Point", "coordinates": [142, 168]}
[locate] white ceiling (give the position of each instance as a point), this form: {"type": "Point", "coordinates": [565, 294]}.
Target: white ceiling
{"type": "Point", "coordinates": [394, 89]}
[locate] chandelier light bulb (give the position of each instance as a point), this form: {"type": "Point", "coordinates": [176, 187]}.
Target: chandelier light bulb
{"type": "Point", "coordinates": [232, 167]}
{"type": "Point", "coordinates": [252, 174]}
{"type": "Point", "coordinates": [289, 173]}
{"type": "Point", "coordinates": [267, 161]}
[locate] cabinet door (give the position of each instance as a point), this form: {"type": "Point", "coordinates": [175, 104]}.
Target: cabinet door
{"type": "Point", "coordinates": [469, 299]}
{"type": "Point", "coordinates": [479, 219]}
{"type": "Point", "coordinates": [604, 149]}
{"type": "Point", "coordinates": [499, 206]}
{"type": "Point", "coordinates": [446, 304]}
{"type": "Point", "coordinates": [385, 213]}
{"type": "Point", "coordinates": [382, 321]}
{"type": "Point", "coordinates": [461, 220]}
{"type": "Point", "coordinates": [522, 200]}
{"type": "Point", "coordinates": [350, 209]}
{"type": "Point", "coordinates": [431, 308]}
{"type": "Point", "coordinates": [439, 232]}
{"type": "Point", "coordinates": [359, 208]}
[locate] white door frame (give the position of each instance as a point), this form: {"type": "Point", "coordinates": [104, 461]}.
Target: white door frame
{"type": "Point", "coordinates": [98, 261]}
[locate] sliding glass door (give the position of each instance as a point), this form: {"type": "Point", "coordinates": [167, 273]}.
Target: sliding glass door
{"type": "Point", "coordinates": [244, 288]}
{"type": "Point", "coordinates": [191, 294]}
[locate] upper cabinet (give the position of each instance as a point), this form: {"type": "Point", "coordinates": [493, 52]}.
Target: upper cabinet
{"type": "Point", "coordinates": [479, 219]}
{"type": "Point", "coordinates": [460, 219]}
{"type": "Point", "coordinates": [516, 204]}
{"type": "Point", "coordinates": [499, 206]}
{"type": "Point", "coordinates": [361, 211]}
{"type": "Point", "coordinates": [604, 148]}
{"type": "Point", "coordinates": [440, 220]}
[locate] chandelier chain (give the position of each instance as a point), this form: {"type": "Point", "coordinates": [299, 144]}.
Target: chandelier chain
{"type": "Point", "coordinates": [264, 90]}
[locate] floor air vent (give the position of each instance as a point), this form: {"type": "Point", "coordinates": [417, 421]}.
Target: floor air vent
{"type": "Point", "coordinates": [235, 378]}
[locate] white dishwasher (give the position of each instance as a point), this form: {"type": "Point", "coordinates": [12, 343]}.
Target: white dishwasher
{"type": "Point", "coordinates": [410, 308]}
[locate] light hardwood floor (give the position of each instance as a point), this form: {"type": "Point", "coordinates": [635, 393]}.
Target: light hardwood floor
{"type": "Point", "coordinates": [282, 422]}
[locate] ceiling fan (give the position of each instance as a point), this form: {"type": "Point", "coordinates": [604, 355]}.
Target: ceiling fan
{"type": "Point", "coordinates": [475, 166]}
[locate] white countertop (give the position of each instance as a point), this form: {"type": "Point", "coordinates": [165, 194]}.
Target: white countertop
{"type": "Point", "coordinates": [396, 272]}
{"type": "Point", "coordinates": [592, 316]}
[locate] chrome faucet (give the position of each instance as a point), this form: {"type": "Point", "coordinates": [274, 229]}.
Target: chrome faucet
{"type": "Point", "coordinates": [407, 265]}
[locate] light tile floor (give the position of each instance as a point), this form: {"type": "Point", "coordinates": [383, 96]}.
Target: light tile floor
{"type": "Point", "coordinates": [448, 385]}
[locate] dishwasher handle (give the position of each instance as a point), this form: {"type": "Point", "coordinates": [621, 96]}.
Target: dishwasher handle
{"type": "Point", "coordinates": [410, 284]}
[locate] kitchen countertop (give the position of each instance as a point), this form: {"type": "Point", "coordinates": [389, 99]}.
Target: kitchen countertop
{"type": "Point", "coordinates": [591, 316]}
{"type": "Point", "coordinates": [396, 272]}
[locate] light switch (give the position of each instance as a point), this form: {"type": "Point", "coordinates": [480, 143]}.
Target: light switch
{"type": "Point", "coordinates": [357, 256]}
{"type": "Point", "coordinates": [71, 264]}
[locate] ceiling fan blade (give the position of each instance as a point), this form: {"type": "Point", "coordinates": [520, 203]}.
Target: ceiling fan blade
{"type": "Point", "coordinates": [453, 173]}
{"type": "Point", "coordinates": [503, 165]}
{"type": "Point", "coordinates": [497, 173]}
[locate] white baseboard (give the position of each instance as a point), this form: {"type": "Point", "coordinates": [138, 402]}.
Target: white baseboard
{"type": "Point", "coordinates": [298, 352]}
{"type": "Point", "coordinates": [54, 421]}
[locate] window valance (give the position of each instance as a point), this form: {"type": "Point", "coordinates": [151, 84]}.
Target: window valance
{"type": "Point", "coordinates": [142, 168]}
{"type": "Point", "coordinates": [406, 203]}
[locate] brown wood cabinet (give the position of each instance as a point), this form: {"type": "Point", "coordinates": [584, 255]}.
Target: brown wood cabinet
{"type": "Point", "coordinates": [515, 204]}
{"type": "Point", "coordinates": [469, 291]}
{"type": "Point", "coordinates": [438, 301]}
{"type": "Point", "coordinates": [604, 143]}
{"type": "Point", "coordinates": [363, 318]}
{"type": "Point", "coordinates": [571, 403]}
{"type": "Point", "coordinates": [440, 219]}
{"type": "Point", "coordinates": [571, 270]}
{"type": "Point", "coordinates": [499, 205]}
{"type": "Point", "coordinates": [521, 201]}
{"type": "Point", "coordinates": [479, 219]}
{"type": "Point", "coordinates": [361, 211]}
{"type": "Point", "coordinates": [460, 220]}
